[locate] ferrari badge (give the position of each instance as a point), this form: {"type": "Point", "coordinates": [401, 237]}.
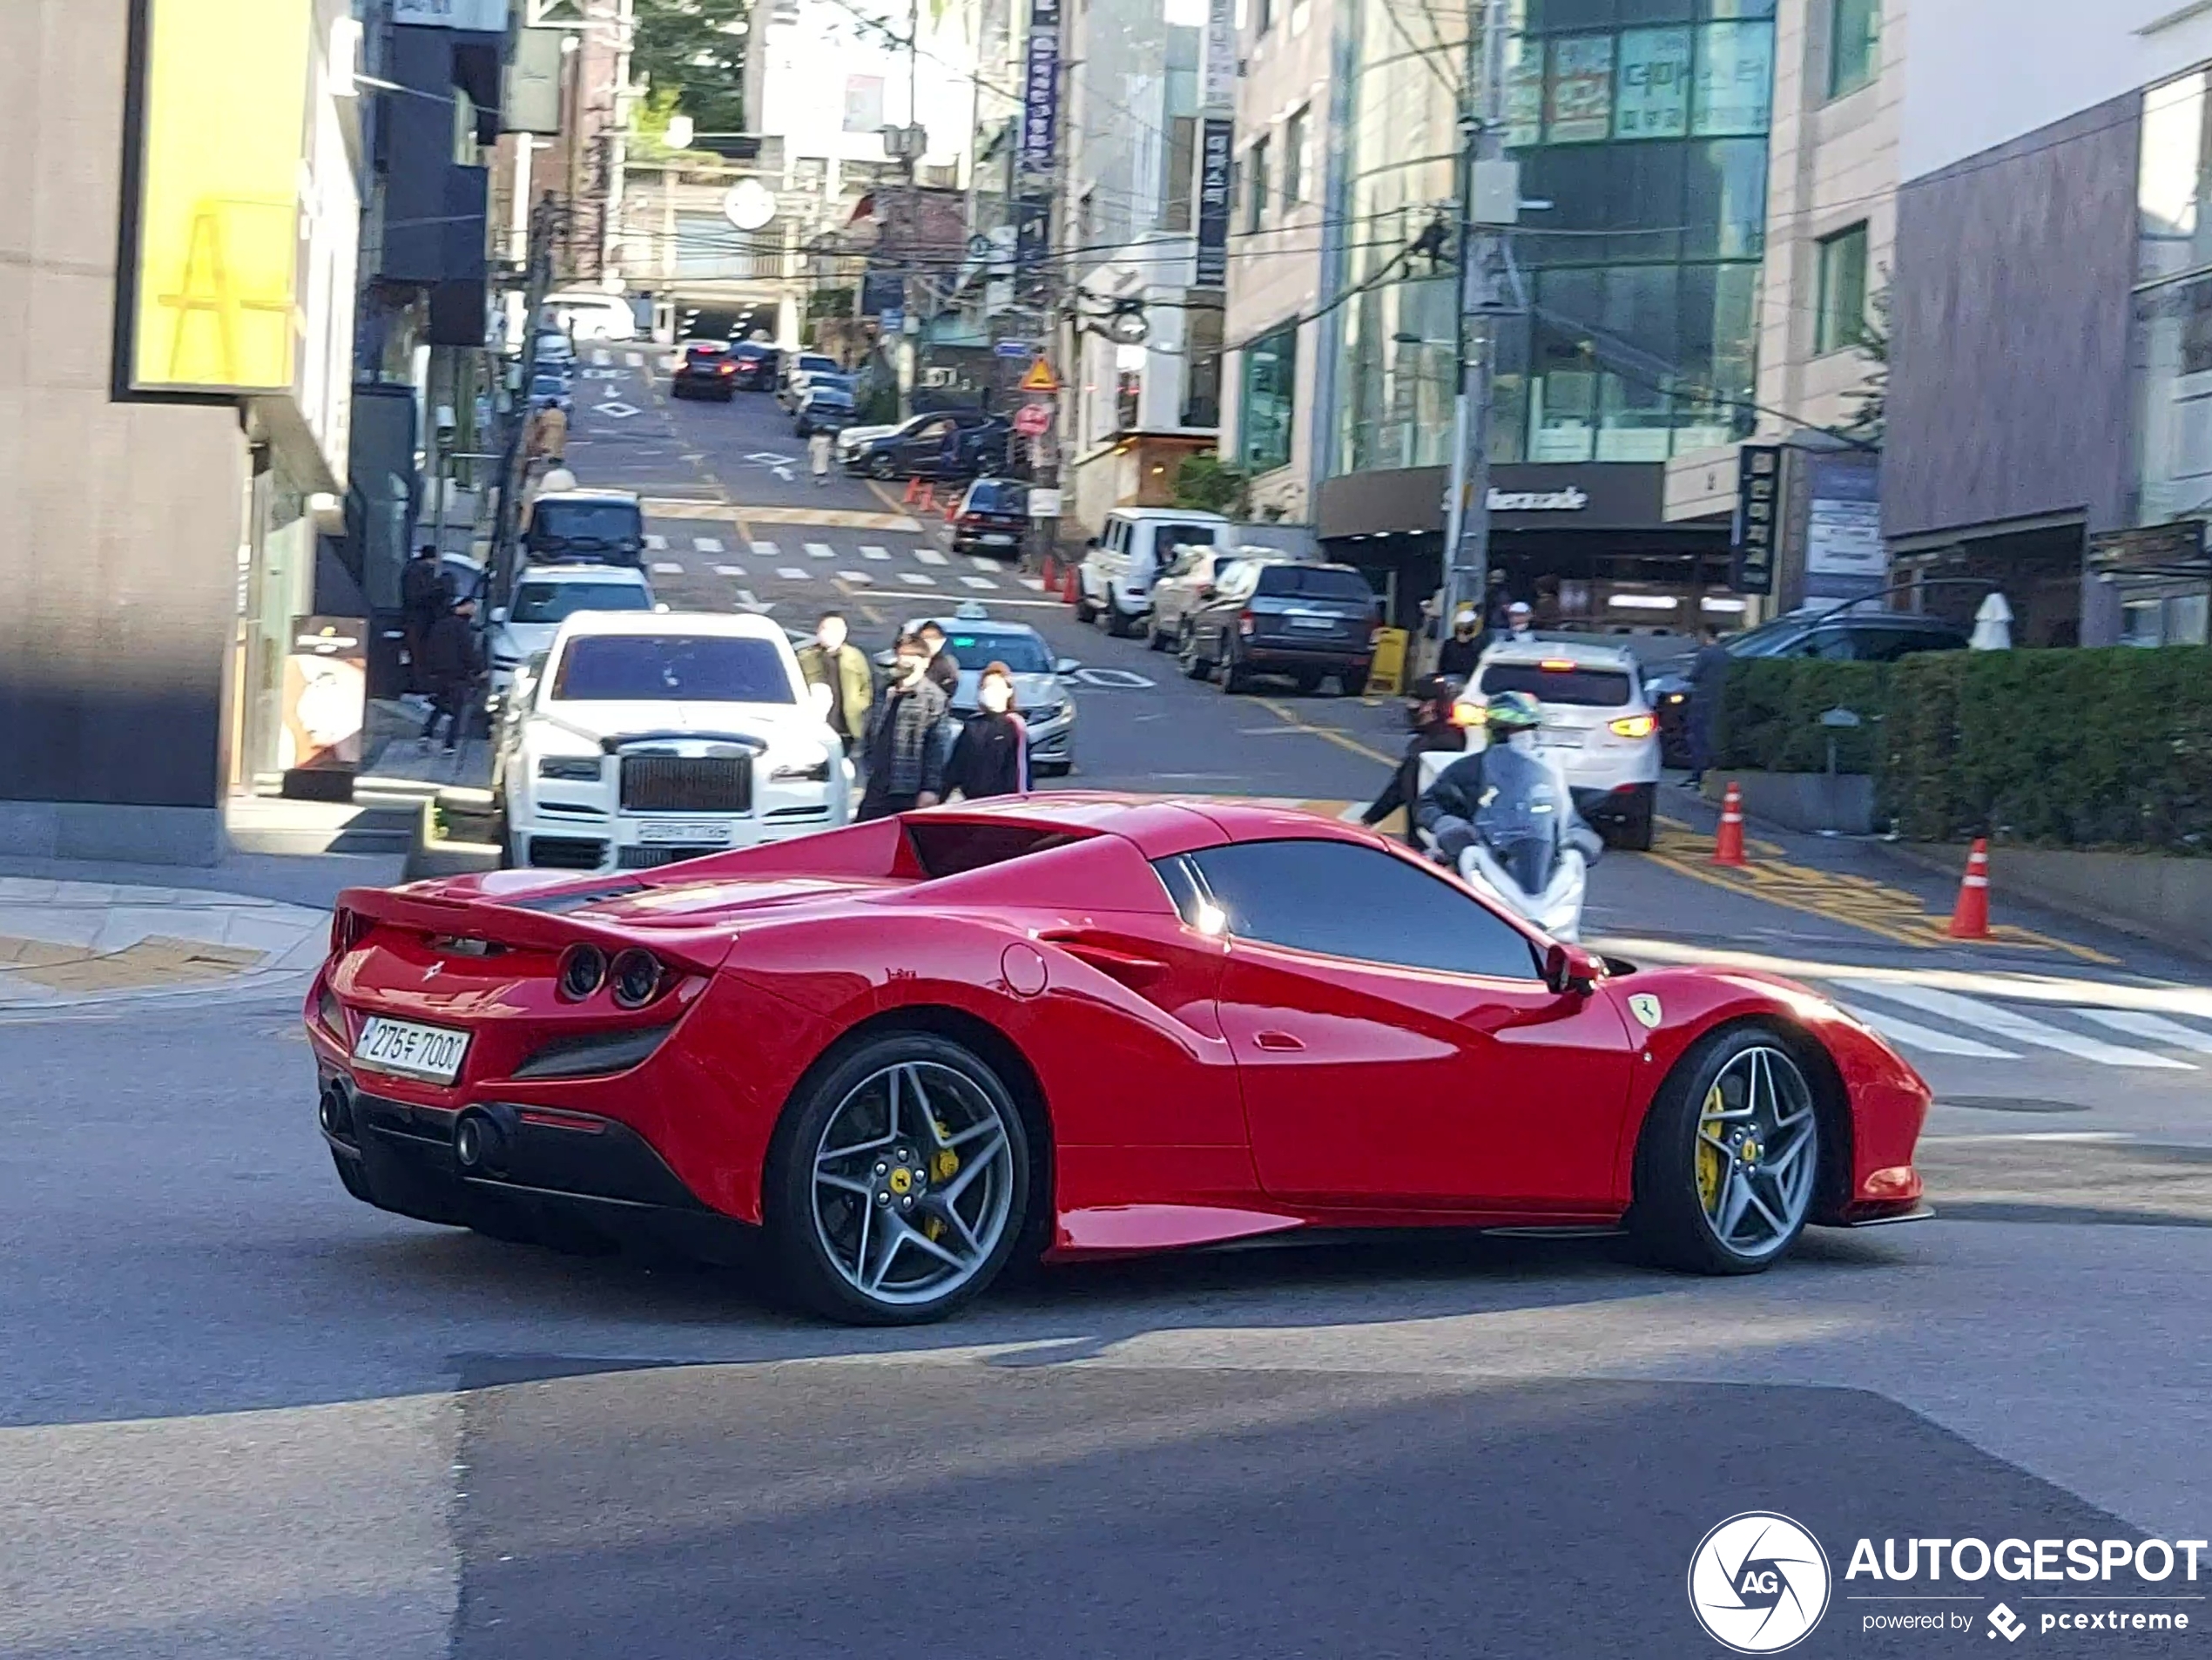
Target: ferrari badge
{"type": "Point", "coordinates": [1645, 1007]}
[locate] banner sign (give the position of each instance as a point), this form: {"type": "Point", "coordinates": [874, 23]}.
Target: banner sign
{"type": "Point", "coordinates": [1845, 556]}
{"type": "Point", "coordinates": [1758, 501]}
{"type": "Point", "coordinates": [1040, 105]}
{"type": "Point", "coordinates": [1215, 140]}
{"type": "Point", "coordinates": [1032, 231]}
{"type": "Point", "coordinates": [1045, 15]}
{"type": "Point", "coordinates": [1217, 60]}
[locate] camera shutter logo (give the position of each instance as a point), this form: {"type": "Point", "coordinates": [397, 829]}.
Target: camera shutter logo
{"type": "Point", "coordinates": [1758, 1583]}
{"type": "Point", "coordinates": [2007, 1624]}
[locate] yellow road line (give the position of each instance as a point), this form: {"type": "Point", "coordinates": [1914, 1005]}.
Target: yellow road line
{"type": "Point", "coordinates": [1343, 740]}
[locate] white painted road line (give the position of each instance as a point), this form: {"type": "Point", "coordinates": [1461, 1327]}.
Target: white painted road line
{"type": "Point", "coordinates": [736, 571]}
{"type": "Point", "coordinates": [2004, 1022]}
{"type": "Point", "coordinates": [1035, 585]}
{"type": "Point", "coordinates": [707, 543]}
{"type": "Point", "coordinates": [917, 578]}
{"type": "Point", "coordinates": [875, 553]}
{"type": "Point", "coordinates": [929, 556]}
{"type": "Point", "coordinates": [1912, 1035]}
{"type": "Point", "coordinates": [635, 359]}
{"type": "Point", "coordinates": [860, 579]}
{"type": "Point", "coordinates": [792, 573]}
{"type": "Point", "coordinates": [982, 564]}
{"type": "Point", "coordinates": [2157, 1028]}
{"type": "Point", "coordinates": [820, 551]}
{"type": "Point", "coordinates": [603, 357]}
{"type": "Point", "coordinates": [655, 544]}
{"type": "Point", "coordinates": [667, 567]}
{"type": "Point", "coordinates": [980, 581]}
{"type": "Point", "coordinates": [764, 549]}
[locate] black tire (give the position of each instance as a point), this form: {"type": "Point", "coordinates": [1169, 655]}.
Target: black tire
{"type": "Point", "coordinates": [1236, 678]}
{"type": "Point", "coordinates": [882, 467]}
{"type": "Point", "coordinates": [801, 1263]}
{"type": "Point", "coordinates": [1154, 640]}
{"type": "Point", "coordinates": [1309, 683]}
{"type": "Point", "coordinates": [1634, 831]}
{"type": "Point", "coordinates": [1194, 667]}
{"type": "Point", "coordinates": [1084, 610]}
{"type": "Point", "coordinates": [1118, 620]}
{"type": "Point", "coordinates": [1668, 1219]}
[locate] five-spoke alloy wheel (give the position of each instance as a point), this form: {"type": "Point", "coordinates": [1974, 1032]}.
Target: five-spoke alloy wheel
{"type": "Point", "coordinates": [900, 1183]}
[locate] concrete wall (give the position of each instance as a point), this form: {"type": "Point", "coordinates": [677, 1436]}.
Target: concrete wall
{"type": "Point", "coordinates": [2010, 397]}
{"type": "Point", "coordinates": [121, 565]}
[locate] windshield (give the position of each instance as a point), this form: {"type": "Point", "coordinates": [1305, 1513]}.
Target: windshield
{"type": "Point", "coordinates": [1314, 582]}
{"type": "Point", "coordinates": [1170, 536]}
{"type": "Point", "coordinates": [549, 602]}
{"type": "Point", "coordinates": [1023, 653]}
{"type": "Point", "coordinates": [1585, 688]}
{"type": "Point", "coordinates": [643, 668]}
{"type": "Point", "coordinates": [818, 365]}
{"type": "Point", "coordinates": [601, 524]}
{"type": "Point", "coordinates": [998, 497]}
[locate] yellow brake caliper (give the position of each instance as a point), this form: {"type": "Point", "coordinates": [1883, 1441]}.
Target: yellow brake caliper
{"type": "Point", "coordinates": [944, 1165]}
{"type": "Point", "coordinates": [1709, 1157]}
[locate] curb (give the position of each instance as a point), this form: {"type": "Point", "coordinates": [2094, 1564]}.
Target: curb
{"type": "Point", "coordinates": [434, 853]}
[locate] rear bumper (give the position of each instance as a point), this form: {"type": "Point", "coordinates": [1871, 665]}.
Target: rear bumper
{"type": "Point", "coordinates": [1003, 538]}
{"type": "Point", "coordinates": [1278, 656]}
{"type": "Point", "coordinates": [547, 841]}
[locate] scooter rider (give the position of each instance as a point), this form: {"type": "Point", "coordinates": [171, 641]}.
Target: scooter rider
{"type": "Point", "coordinates": [1432, 713]}
{"type": "Point", "coordinates": [1447, 808]}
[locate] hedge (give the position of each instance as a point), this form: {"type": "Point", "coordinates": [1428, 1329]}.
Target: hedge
{"type": "Point", "coordinates": [2108, 748]}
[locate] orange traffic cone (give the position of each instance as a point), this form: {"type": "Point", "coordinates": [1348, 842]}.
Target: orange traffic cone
{"type": "Point", "coordinates": [1069, 590]}
{"type": "Point", "coordinates": [1728, 846]}
{"type": "Point", "coordinates": [1970, 919]}
{"type": "Point", "coordinates": [928, 502]}
{"type": "Point", "coordinates": [1051, 574]}
{"type": "Point", "coordinates": [914, 492]}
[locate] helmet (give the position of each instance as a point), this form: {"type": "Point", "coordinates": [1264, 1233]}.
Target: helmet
{"type": "Point", "coordinates": [1513, 711]}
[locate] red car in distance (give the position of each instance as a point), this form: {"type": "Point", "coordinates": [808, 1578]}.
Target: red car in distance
{"type": "Point", "coordinates": [880, 1062]}
{"type": "Point", "coordinates": [706, 370]}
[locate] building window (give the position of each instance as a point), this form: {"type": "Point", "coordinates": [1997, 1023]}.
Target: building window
{"type": "Point", "coordinates": [1294, 135]}
{"type": "Point", "coordinates": [1841, 322]}
{"type": "Point", "coordinates": [1854, 45]}
{"type": "Point", "coordinates": [1256, 184]}
{"type": "Point", "coordinates": [1267, 400]}
{"type": "Point", "coordinates": [1202, 368]}
{"type": "Point", "coordinates": [1181, 157]}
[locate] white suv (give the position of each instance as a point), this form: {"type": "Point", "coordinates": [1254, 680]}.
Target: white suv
{"type": "Point", "coordinates": [1599, 725]}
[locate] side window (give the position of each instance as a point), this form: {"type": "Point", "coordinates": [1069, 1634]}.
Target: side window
{"type": "Point", "coordinates": [1887, 644]}
{"type": "Point", "coordinates": [1833, 644]}
{"type": "Point", "coordinates": [1345, 901]}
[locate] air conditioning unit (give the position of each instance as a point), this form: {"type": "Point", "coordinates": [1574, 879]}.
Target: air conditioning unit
{"type": "Point", "coordinates": [938, 377]}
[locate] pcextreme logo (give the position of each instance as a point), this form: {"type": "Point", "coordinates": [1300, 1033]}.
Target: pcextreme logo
{"type": "Point", "coordinates": [1758, 1583]}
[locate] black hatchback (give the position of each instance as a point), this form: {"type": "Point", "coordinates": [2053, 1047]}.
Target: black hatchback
{"type": "Point", "coordinates": [1304, 622]}
{"type": "Point", "coordinates": [992, 516]}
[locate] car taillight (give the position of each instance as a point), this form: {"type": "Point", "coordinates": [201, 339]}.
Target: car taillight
{"type": "Point", "coordinates": [347, 929]}
{"type": "Point", "coordinates": [1634, 725]}
{"type": "Point", "coordinates": [1244, 622]}
{"type": "Point", "coordinates": [727, 368]}
{"type": "Point", "coordinates": [969, 518]}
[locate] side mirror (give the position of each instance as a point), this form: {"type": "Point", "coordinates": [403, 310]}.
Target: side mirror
{"type": "Point", "coordinates": [1568, 968]}
{"type": "Point", "coordinates": [499, 613]}
{"type": "Point", "coordinates": [818, 695]}
{"type": "Point", "coordinates": [1065, 665]}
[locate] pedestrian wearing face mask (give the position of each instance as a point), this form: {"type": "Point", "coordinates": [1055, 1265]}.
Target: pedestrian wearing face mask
{"type": "Point", "coordinates": [991, 755]}
{"type": "Point", "coordinates": [904, 753]}
{"type": "Point", "coordinates": [835, 662]}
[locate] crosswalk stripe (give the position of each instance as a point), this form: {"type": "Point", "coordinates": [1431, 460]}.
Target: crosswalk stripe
{"type": "Point", "coordinates": [707, 543]}
{"type": "Point", "coordinates": [2003, 1022]}
{"type": "Point", "coordinates": [982, 564]}
{"type": "Point", "coordinates": [1913, 1035]}
{"type": "Point", "coordinates": [919, 579]}
{"type": "Point", "coordinates": [820, 551]}
{"type": "Point", "coordinates": [2140, 1023]}
{"type": "Point", "coordinates": [764, 549]}
{"type": "Point", "coordinates": [792, 573]}
{"type": "Point", "coordinates": [654, 543]}
{"type": "Point", "coordinates": [1035, 585]}
{"type": "Point", "coordinates": [980, 581]}
{"type": "Point", "coordinates": [602, 357]}
{"type": "Point", "coordinates": [667, 567]}
{"type": "Point", "coordinates": [858, 576]}
{"type": "Point", "coordinates": [929, 556]}
{"type": "Point", "coordinates": [635, 359]}
{"type": "Point", "coordinates": [875, 553]}
{"type": "Point", "coordinates": [730, 570]}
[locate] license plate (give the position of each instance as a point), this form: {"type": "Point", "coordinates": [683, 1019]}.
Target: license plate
{"type": "Point", "coordinates": [998, 541]}
{"type": "Point", "coordinates": [694, 832]}
{"type": "Point", "coordinates": [419, 1051]}
{"type": "Point", "coordinates": [1560, 739]}
{"type": "Point", "coordinates": [1329, 623]}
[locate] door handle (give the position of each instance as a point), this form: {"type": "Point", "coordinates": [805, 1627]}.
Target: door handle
{"type": "Point", "coordinates": [1281, 1042]}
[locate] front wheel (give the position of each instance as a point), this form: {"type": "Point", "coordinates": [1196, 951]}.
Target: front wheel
{"type": "Point", "coordinates": [1236, 678]}
{"type": "Point", "coordinates": [899, 1183]}
{"type": "Point", "coordinates": [1729, 1158]}
{"type": "Point", "coordinates": [1195, 667]}
{"type": "Point", "coordinates": [1154, 640]}
{"type": "Point", "coordinates": [881, 467]}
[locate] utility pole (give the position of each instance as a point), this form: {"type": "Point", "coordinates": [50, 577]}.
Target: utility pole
{"type": "Point", "coordinates": [1489, 198]}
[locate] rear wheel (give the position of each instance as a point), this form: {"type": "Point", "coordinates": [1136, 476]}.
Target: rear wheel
{"type": "Point", "coordinates": [1634, 830]}
{"type": "Point", "coordinates": [1729, 1158]}
{"type": "Point", "coordinates": [1195, 667]}
{"type": "Point", "coordinates": [1154, 639]}
{"type": "Point", "coordinates": [1309, 683]}
{"type": "Point", "coordinates": [899, 1183]}
{"type": "Point", "coordinates": [1236, 678]}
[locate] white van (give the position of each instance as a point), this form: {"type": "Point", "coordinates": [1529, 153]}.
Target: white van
{"type": "Point", "coordinates": [590, 316]}
{"type": "Point", "coordinates": [1114, 585]}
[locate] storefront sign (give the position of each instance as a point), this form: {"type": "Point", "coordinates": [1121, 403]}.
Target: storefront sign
{"type": "Point", "coordinates": [1045, 14]}
{"type": "Point", "coordinates": [1845, 556]}
{"type": "Point", "coordinates": [1215, 141]}
{"type": "Point", "coordinates": [486, 16]}
{"type": "Point", "coordinates": [326, 687]}
{"type": "Point", "coordinates": [1578, 106]}
{"type": "Point", "coordinates": [1217, 60]}
{"type": "Point", "coordinates": [1759, 502]}
{"type": "Point", "coordinates": [1040, 105]}
{"type": "Point", "coordinates": [1736, 80]}
{"type": "Point", "coordinates": [1654, 99]}
{"type": "Point", "coordinates": [1573, 499]}
{"type": "Point", "coordinates": [1032, 231]}
{"type": "Point", "coordinates": [1524, 93]}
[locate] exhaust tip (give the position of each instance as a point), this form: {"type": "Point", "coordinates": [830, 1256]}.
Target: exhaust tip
{"type": "Point", "coordinates": [335, 1111]}
{"type": "Point", "coordinates": [480, 1142]}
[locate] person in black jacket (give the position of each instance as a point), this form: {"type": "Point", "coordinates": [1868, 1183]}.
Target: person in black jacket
{"type": "Point", "coordinates": [1457, 656]}
{"type": "Point", "coordinates": [944, 667]}
{"type": "Point", "coordinates": [904, 753]}
{"type": "Point", "coordinates": [452, 660]}
{"type": "Point", "coordinates": [426, 594]}
{"type": "Point", "coordinates": [1430, 715]}
{"type": "Point", "coordinates": [991, 755]}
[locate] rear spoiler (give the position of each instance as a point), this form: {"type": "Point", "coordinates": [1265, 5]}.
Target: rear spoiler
{"type": "Point", "coordinates": [697, 948]}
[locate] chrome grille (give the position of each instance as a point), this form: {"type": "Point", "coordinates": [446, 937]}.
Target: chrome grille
{"type": "Point", "coordinates": [687, 783]}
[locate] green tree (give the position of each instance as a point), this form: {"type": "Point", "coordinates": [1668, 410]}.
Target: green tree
{"type": "Point", "coordinates": [1870, 414]}
{"type": "Point", "coordinates": [695, 51]}
{"type": "Point", "coordinates": [1203, 482]}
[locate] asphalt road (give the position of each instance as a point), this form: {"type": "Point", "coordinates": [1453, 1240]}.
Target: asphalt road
{"type": "Point", "coordinates": [242, 1415]}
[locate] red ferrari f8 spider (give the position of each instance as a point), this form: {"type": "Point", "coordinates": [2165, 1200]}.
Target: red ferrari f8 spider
{"type": "Point", "coordinates": [896, 1057]}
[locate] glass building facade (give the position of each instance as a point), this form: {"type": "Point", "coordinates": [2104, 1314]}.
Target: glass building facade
{"type": "Point", "coordinates": [1644, 124]}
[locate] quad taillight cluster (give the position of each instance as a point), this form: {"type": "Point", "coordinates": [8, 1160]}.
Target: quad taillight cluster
{"type": "Point", "coordinates": [347, 929]}
{"type": "Point", "coordinates": [633, 977]}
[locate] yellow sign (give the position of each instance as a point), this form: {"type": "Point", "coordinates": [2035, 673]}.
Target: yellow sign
{"type": "Point", "coordinates": [1387, 674]}
{"type": "Point", "coordinates": [216, 264]}
{"type": "Point", "coordinates": [1040, 378]}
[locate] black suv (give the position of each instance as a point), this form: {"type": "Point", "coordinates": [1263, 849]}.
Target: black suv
{"type": "Point", "coordinates": [707, 370]}
{"type": "Point", "coordinates": [1839, 636]}
{"type": "Point", "coordinates": [1305, 621]}
{"type": "Point", "coordinates": [917, 449]}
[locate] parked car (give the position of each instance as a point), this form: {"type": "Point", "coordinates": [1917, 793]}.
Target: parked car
{"type": "Point", "coordinates": [826, 405]}
{"type": "Point", "coordinates": [644, 739]}
{"type": "Point", "coordinates": [1304, 622]}
{"type": "Point", "coordinates": [1189, 580]}
{"type": "Point", "coordinates": [1599, 726]}
{"type": "Point", "coordinates": [915, 449]}
{"type": "Point", "coordinates": [992, 517]}
{"type": "Point", "coordinates": [547, 595]}
{"type": "Point", "coordinates": [705, 370]}
{"type": "Point", "coordinates": [1042, 691]}
{"type": "Point", "coordinates": [590, 316]}
{"type": "Point", "coordinates": [585, 527]}
{"type": "Point", "coordinates": [1115, 583]}
{"type": "Point", "coordinates": [758, 366]}
{"type": "Point", "coordinates": [796, 386]}
{"type": "Point", "coordinates": [547, 385]}
{"type": "Point", "coordinates": [798, 363]}
{"type": "Point", "coordinates": [1837, 633]}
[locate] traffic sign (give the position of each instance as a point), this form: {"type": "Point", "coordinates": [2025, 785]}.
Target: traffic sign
{"type": "Point", "coordinates": [1033, 420]}
{"type": "Point", "coordinates": [1014, 348]}
{"type": "Point", "coordinates": [1040, 378]}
